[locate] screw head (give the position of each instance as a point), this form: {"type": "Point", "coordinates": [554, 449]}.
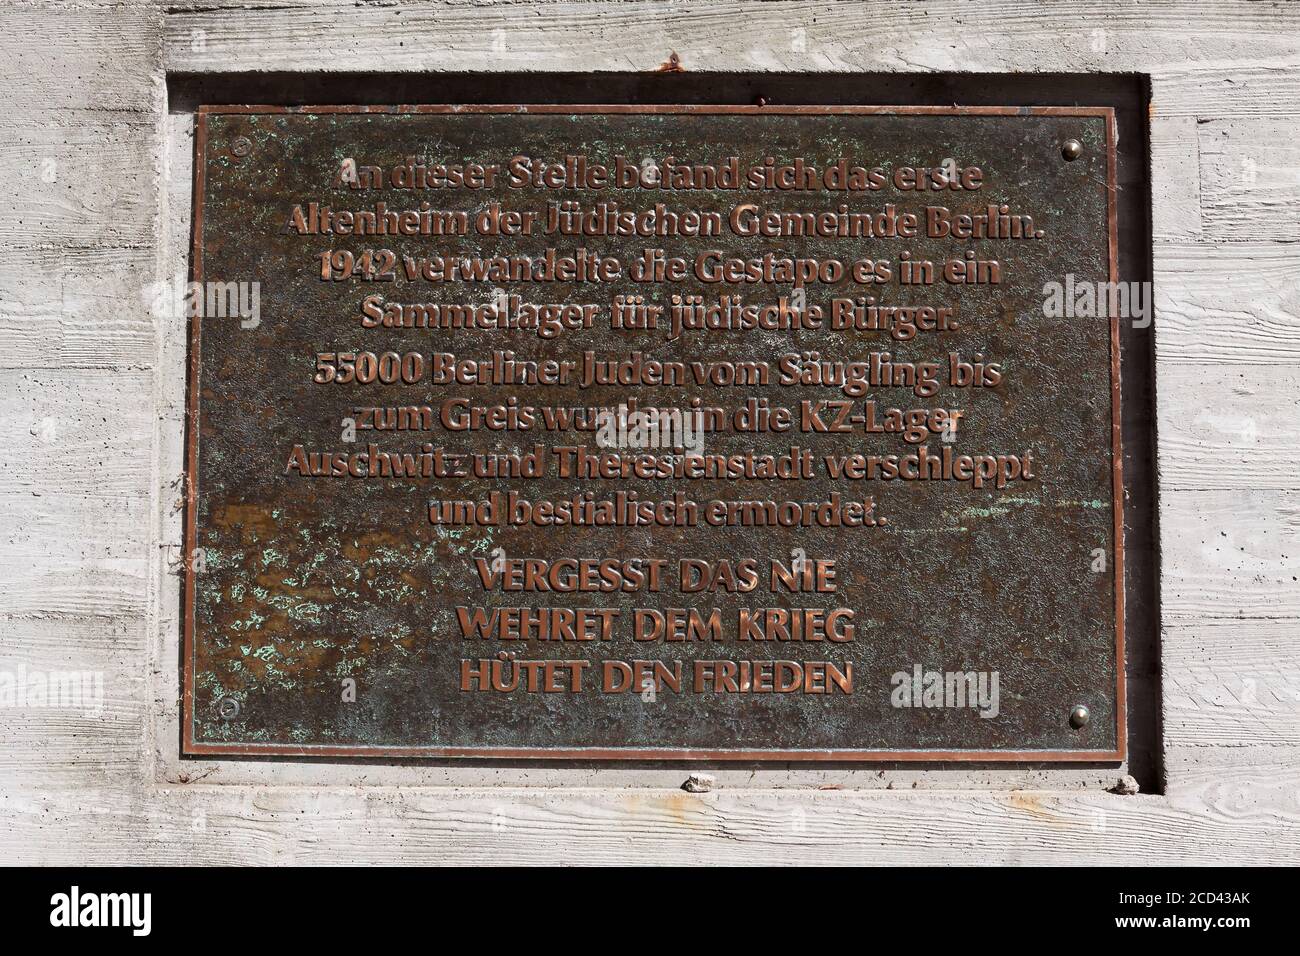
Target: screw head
{"type": "Point", "coordinates": [1079, 717]}
{"type": "Point", "coordinates": [241, 146]}
{"type": "Point", "coordinates": [228, 708]}
{"type": "Point", "coordinates": [1071, 149]}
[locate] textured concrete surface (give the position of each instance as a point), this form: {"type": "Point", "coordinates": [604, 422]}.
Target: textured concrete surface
{"type": "Point", "coordinates": [91, 397]}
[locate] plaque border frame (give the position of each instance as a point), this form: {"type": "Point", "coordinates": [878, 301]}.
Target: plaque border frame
{"type": "Point", "coordinates": [192, 748]}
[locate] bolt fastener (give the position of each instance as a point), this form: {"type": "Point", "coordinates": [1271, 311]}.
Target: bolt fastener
{"type": "Point", "coordinates": [1079, 717]}
{"type": "Point", "coordinates": [1072, 149]}
{"type": "Point", "coordinates": [241, 146]}
{"type": "Point", "coordinates": [228, 708]}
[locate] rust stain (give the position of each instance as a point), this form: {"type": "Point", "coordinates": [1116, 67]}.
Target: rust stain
{"type": "Point", "coordinates": [254, 519]}
{"type": "Point", "coordinates": [1031, 804]}
{"type": "Point", "coordinates": [683, 808]}
{"type": "Point", "coordinates": [672, 65]}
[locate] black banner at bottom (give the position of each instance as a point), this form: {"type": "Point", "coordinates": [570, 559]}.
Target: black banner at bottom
{"type": "Point", "coordinates": [339, 906]}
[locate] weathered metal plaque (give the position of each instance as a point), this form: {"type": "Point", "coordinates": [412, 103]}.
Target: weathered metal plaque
{"type": "Point", "coordinates": [654, 433]}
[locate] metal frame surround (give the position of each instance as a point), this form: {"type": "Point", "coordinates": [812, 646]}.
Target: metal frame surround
{"type": "Point", "coordinates": [194, 408]}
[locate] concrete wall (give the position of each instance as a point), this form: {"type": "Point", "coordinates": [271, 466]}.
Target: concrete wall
{"type": "Point", "coordinates": [95, 142]}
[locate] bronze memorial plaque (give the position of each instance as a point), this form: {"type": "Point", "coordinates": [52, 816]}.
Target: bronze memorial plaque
{"type": "Point", "coordinates": [621, 432]}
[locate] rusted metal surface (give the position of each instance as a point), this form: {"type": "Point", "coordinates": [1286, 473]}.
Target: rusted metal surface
{"type": "Point", "coordinates": [305, 584]}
